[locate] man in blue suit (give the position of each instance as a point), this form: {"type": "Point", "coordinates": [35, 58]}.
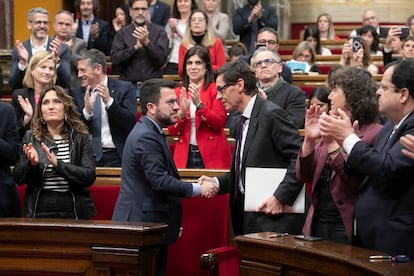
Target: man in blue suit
{"type": "Point", "coordinates": [151, 190]}
{"type": "Point", "coordinates": [38, 24]}
{"type": "Point", "coordinates": [9, 148]}
{"type": "Point", "coordinates": [159, 12]}
{"type": "Point", "coordinates": [94, 31]}
{"type": "Point", "coordinates": [108, 107]}
{"type": "Point", "coordinates": [384, 208]}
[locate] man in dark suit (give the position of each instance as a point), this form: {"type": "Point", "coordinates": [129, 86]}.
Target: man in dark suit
{"type": "Point", "coordinates": [9, 148]}
{"type": "Point", "coordinates": [150, 187]}
{"type": "Point", "coordinates": [384, 207]}
{"type": "Point", "coordinates": [94, 31]}
{"type": "Point", "coordinates": [369, 17]}
{"type": "Point", "coordinates": [159, 12]}
{"type": "Point", "coordinates": [108, 107]}
{"type": "Point", "coordinates": [268, 140]}
{"type": "Point", "coordinates": [38, 24]}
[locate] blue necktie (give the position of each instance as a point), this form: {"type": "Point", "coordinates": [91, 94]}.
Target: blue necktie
{"type": "Point", "coordinates": [238, 155]}
{"type": "Point", "coordinates": [96, 129]}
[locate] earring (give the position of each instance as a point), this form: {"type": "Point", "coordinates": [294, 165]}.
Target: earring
{"type": "Point", "coordinates": [42, 121]}
{"type": "Point", "coordinates": [66, 118]}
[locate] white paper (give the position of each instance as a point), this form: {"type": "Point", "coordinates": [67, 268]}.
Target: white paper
{"type": "Point", "coordinates": [262, 183]}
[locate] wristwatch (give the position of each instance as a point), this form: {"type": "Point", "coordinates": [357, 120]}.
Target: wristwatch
{"type": "Point", "coordinates": [199, 106]}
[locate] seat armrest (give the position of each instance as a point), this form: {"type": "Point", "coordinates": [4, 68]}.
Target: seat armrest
{"type": "Point", "coordinates": [221, 261]}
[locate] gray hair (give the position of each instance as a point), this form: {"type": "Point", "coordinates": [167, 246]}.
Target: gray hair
{"type": "Point", "coordinates": [36, 10]}
{"type": "Point", "coordinates": [262, 49]}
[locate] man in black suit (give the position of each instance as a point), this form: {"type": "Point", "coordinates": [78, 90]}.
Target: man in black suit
{"type": "Point", "coordinates": [268, 140]}
{"type": "Point", "coordinates": [9, 148]}
{"type": "Point", "coordinates": [369, 17]}
{"type": "Point", "coordinates": [108, 107]}
{"type": "Point", "coordinates": [159, 12]}
{"type": "Point", "coordinates": [384, 207]}
{"type": "Point", "coordinates": [150, 186]}
{"type": "Point", "coordinates": [94, 31]}
{"type": "Point", "coordinates": [38, 24]}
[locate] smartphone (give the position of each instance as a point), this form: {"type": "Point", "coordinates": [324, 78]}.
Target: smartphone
{"type": "Point", "coordinates": [307, 238]}
{"type": "Point", "coordinates": [405, 31]}
{"type": "Point", "coordinates": [356, 44]}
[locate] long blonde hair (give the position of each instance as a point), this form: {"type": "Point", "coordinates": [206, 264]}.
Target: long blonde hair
{"type": "Point", "coordinates": [209, 37]}
{"type": "Point", "coordinates": [37, 58]}
{"type": "Point", "coordinates": [331, 29]}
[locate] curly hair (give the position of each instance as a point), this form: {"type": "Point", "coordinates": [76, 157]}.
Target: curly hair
{"type": "Point", "coordinates": [360, 93]}
{"type": "Point", "coordinates": [72, 116]}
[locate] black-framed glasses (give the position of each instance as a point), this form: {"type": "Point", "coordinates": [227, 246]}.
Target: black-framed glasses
{"type": "Point", "coordinates": [270, 41]}
{"type": "Point", "coordinates": [220, 88]}
{"type": "Point", "coordinates": [40, 22]}
{"type": "Point", "coordinates": [266, 62]}
{"type": "Point", "coordinates": [140, 9]}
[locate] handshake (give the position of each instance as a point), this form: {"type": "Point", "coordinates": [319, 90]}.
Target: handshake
{"type": "Point", "coordinates": [209, 186]}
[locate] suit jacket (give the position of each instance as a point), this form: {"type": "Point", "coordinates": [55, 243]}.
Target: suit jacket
{"type": "Point", "coordinates": [248, 31]}
{"type": "Point", "coordinates": [63, 69]}
{"type": "Point", "coordinates": [161, 14]}
{"type": "Point", "coordinates": [101, 42]}
{"type": "Point", "coordinates": [210, 136]}
{"type": "Point", "coordinates": [9, 148]}
{"type": "Point", "coordinates": [150, 187]}
{"type": "Point", "coordinates": [26, 93]}
{"type": "Point", "coordinates": [271, 142]}
{"type": "Point", "coordinates": [384, 207]}
{"type": "Point", "coordinates": [121, 114]}
{"type": "Point", "coordinates": [344, 187]}
{"type": "Point", "coordinates": [78, 46]}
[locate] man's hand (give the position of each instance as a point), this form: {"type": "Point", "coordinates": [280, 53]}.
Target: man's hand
{"type": "Point", "coordinates": [209, 186]}
{"type": "Point", "coordinates": [89, 99]}
{"type": "Point", "coordinates": [271, 206]}
{"type": "Point", "coordinates": [94, 32]}
{"type": "Point", "coordinates": [337, 127]}
{"type": "Point", "coordinates": [141, 33]}
{"type": "Point", "coordinates": [55, 46]}
{"type": "Point", "coordinates": [408, 142]}
{"type": "Point", "coordinates": [22, 53]}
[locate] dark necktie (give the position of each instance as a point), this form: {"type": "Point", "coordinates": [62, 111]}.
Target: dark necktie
{"type": "Point", "coordinates": [96, 129]}
{"type": "Point", "coordinates": [238, 154]}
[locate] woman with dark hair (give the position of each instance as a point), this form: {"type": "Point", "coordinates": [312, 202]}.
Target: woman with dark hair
{"type": "Point", "coordinates": [361, 57]}
{"type": "Point", "coordinates": [202, 142]}
{"type": "Point", "coordinates": [200, 32]}
{"type": "Point", "coordinates": [311, 35]}
{"type": "Point", "coordinates": [321, 162]}
{"type": "Point", "coordinates": [175, 29]}
{"type": "Point", "coordinates": [371, 37]}
{"type": "Point", "coordinates": [122, 18]}
{"type": "Point", "coordinates": [319, 96]}
{"type": "Point", "coordinates": [56, 161]}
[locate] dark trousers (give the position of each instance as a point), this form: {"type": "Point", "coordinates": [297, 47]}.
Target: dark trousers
{"type": "Point", "coordinates": [52, 204]}
{"type": "Point", "coordinates": [194, 160]}
{"type": "Point", "coordinates": [332, 231]}
{"type": "Point", "coordinates": [110, 158]}
{"type": "Point", "coordinates": [9, 201]}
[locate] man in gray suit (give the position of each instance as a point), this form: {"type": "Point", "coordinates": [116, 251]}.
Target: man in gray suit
{"type": "Point", "coordinates": [267, 139]}
{"type": "Point", "coordinates": [150, 186]}
{"type": "Point", "coordinates": [63, 31]}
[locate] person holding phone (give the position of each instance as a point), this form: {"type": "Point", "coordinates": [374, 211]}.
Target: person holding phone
{"type": "Point", "coordinates": [356, 53]}
{"type": "Point", "coordinates": [201, 118]}
{"type": "Point", "coordinates": [397, 46]}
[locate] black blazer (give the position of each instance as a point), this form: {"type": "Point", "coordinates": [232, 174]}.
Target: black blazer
{"type": "Point", "coordinates": [384, 208]}
{"type": "Point", "coordinates": [26, 93]}
{"type": "Point", "coordinates": [101, 42]}
{"type": "Point", "coordinates": [121, 114]}
{"type": "Point", "coordinates": [272, 142]}
{"type": "Point", "coordinates": [161, 14]}
{"type": "Point", "coordinates": [63, 70]}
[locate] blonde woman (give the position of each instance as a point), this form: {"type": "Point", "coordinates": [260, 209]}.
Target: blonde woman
{"type": "Point", "coordinates": [40, 73]}
{"type": "Point", "coordinates": [304, 52]}
{"type": "Point", "coordinates": [219, 21]}
{"type": "Point", "coordinates": [326, 28]}
{"type": "Point", "coordinates": [199, 32]}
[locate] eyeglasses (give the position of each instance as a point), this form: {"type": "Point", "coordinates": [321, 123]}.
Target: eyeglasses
{"type": "Point", "coordinates": [385, 88]}
{"type": "Point", "coordinates": [266, 62]}
{"type": "Point", "coordinates": [140, 9]}
{"type": "Point", "coordinates": [271, 42]}
{"type": "Point", "coordinates": [40, 22]}
{"type": "Point", "coordinates": [220, 88]}
{"type": "Point", "coordinates": [197, 20]}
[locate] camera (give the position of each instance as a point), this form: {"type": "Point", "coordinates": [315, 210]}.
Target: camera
{"type": "Point", "coordinates": [356, 44]}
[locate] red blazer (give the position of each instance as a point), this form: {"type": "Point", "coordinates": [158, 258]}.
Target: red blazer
{"type": "Point", "coordinates": [217, 56]}
{"type": "Point", "coordinates": [211, 139]}
{"type": "Point", "coordinates": [344, 187]}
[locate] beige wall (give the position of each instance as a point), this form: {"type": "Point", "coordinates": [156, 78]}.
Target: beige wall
{"type": "Point", "coordinates": [351, 10]}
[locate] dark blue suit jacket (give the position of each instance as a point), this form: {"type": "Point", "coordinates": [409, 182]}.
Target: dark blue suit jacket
{"type": "Point", "coordinates": [101, 42]}
{"type": "Point", "coordinates": [150, 187]}
{"type": "Point", "coordinates": [63, 70]}
{"type": "Point", "coordinates": [272, 142]}
{"type": "Point", "coordinates": [121, 114]}
{"type": "Point", "coordinates": [9, 148]}
{"type": "Point", "coordinates": [384, 208]}
{"type": "Point", "coordinates": [161, 14]}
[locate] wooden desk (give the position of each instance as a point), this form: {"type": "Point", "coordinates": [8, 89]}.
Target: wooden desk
{"type": "Point", "coordinates": [78, 247]}
{"type": "Point", "coordinates": [261, 255]}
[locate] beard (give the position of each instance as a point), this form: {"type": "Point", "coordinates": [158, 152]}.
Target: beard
{"type": "Point", "coordinates": [163, 120]}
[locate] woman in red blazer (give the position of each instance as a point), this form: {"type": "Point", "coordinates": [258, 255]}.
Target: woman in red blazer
{"type": "Point", "coordinates": [321, 162]}
{"type": "Point", "coordinates": [202, 142]}
{"type": "Point", "coordinates": [199, 32]}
